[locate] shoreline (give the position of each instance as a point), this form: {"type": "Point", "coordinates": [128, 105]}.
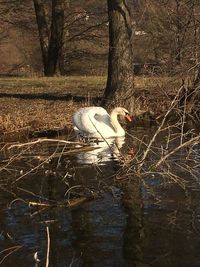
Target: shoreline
{"type": "Point", "coordinates": [36, 105]}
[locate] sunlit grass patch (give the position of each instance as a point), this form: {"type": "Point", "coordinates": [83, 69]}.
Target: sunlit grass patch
{"type": "Point", "coordinates": [81, 85]}
{"type": "Point", "coordinates": [24, 101]}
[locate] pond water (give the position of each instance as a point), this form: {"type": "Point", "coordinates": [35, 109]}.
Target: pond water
{"type": "Point", "coordinates": [117, 225]}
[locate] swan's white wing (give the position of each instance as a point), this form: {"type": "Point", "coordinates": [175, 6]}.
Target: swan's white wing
{"type": "Point", "coordinates": [81, 117]}
{"type": "Point", "coordinates": [77, 120]}
{"type": "Point", "coordinates": [104, 121]}
{"type": "Point", "coordinates": [92, 120]}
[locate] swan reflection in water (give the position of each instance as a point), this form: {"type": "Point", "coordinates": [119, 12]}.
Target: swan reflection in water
{"type": "Point", "coordinates": [104, 151]}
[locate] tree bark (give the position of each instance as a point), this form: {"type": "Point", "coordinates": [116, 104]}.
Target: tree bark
{"type": "Point", "coordinates": [51, 41]}
{"type": "Point", "coordinates": [56, 38]}
{"type": "Point", "coordinates": [120, 86]}
{"type": "Point", "coordinates": [43, 31]}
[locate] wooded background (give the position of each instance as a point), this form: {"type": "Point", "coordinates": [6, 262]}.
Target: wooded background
{"type": "Point", "coordinates": [165, 36]}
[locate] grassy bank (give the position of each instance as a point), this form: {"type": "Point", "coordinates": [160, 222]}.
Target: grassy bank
{"type": "Point", "coordinates": [38, 104]}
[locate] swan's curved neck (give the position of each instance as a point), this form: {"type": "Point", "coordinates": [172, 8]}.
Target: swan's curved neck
{"type": "Point", "coordinates": [115, 123]}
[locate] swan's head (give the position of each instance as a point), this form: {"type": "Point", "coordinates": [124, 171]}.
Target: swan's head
{"type": "Point", "coordinates": [123, 112]}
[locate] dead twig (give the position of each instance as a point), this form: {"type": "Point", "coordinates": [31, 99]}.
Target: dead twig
{"type": "Point", "coordinates": [70, 203]}
{"type": "Point", "coordinates": [48, 247]}
{"type": "Point", "coordinates": [173, 103]}
{"type": "Point", "coordinates": [9, 251]}
{"type": "Point", "coordinates": [187, 143]}
{"type": "Point", "coordinates": [41, 140]}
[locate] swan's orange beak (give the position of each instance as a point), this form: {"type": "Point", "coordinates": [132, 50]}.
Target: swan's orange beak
{"type": "Point", "coordinates": [128, 117]}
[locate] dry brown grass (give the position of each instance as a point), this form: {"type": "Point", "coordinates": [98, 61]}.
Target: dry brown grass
{"type": "Point", "coordinates": [17, 115]}
{"type": "Point", "coordinates": [76, 85]}
{"type": "Point", "coordinates": [40, 104]}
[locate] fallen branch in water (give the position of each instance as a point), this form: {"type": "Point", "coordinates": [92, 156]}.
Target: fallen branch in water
{"type": "Point", "coordinates": [39, 204]}
{"type": "Point", "coordinates": [41, 140]}
{"type": "Point", "coordinates": [71, 204]}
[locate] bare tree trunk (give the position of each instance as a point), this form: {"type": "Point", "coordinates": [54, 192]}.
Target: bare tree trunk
{"type": "Point", "coordinates": [61, 64]}
{"type": "Point", "coordinates": [120, 87]}
{"type": "Point", "coordinates": [43, 31]}
{"type": "Point", "coordinates": [50, 41]}
{"type": "Point", "coordinates": [56, 38]}
{"type": "Point", "coordinates": [61, 59]}
{"type": "Point", "coordinates": [196, 80]}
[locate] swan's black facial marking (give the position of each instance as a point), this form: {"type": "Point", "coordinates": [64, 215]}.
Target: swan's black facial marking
{"type": "Point", "coordinates": [127, 116]}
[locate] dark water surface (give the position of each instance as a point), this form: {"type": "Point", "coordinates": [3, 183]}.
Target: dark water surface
{"type": "Point", "coordinates": [158, 227]}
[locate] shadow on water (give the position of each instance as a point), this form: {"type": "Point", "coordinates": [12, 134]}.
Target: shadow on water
{"type": "Point", "coordinates": [150, 223]}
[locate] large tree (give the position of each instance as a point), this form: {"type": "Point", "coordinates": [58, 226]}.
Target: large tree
{"type": "Point", "coordinates": [51, 38]}
{"type": "Point", "coordinates": [120, 85]}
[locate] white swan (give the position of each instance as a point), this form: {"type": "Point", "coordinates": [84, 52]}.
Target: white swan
{"type": "Point", "coordinates": [96, 122]}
